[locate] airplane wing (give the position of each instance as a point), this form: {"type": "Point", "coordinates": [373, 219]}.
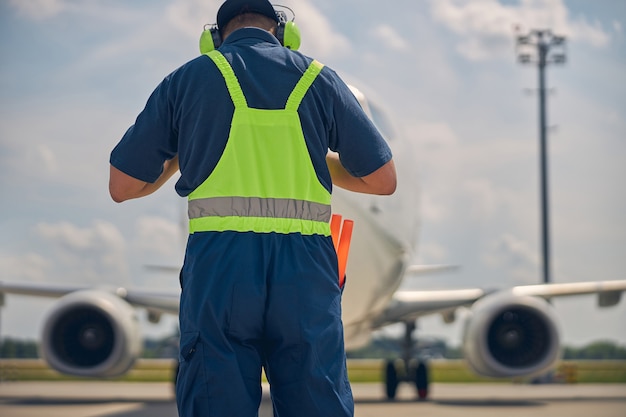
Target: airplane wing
{"type": "Point", "coordinates": [407, 305]}
{"type": "Point", "coordinates": [609, 292]}
{"type": "Point", "coordinates": [418, 270]}
{"type": "Point", "coordinates": [163, 302]}
{"type": "Point", "coordinates": [39, 290]}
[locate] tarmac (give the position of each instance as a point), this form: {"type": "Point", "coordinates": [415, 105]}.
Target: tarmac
{"type": "Point", "coordinates": [129, 399]}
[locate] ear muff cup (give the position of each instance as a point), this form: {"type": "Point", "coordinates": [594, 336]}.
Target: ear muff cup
{"type": "Point", "coordinates": [288, 35]}
{"type": "Point", "coordinates": [210, 39]}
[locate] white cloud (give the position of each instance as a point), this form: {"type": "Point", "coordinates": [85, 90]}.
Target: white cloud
{"type": "Point", "coordinates": [190, 16]}
{"type": "Point", "coordinates": [93, 254]}
{"type": "Point", "coordinates": [96, 10]}
{"type": "Point", "coordinates": [487, 27]}
{"type": "Point", "coordinates": [390, 38]}
{"type": "Point", "coordinates": [24, 158]}
{"type": "Point", "coordinates": [25, 267]}
{"type": "Point", "coordinates": [516, 256]}
{"type": "Point", "coordinates": [433, 136]}
{"type": "Point", "coordinates": [482, 198]}
{"type": "Point", "coordinates": [39, 9]}
{"type": "Point", "coordinates": [68, 146]}
{"type": "Point", "coordinates": [432, 210]}
{"type": "Point", "coordinates": [593, 34]}
{"type": "Point", "coordinates": [47, 158]}
{"type": "Point", "coordinates": [319, 38]}
{"type": "Point", "coordinates": [158, 236]}
{"type": "Point", "coordinates": [68, 235]}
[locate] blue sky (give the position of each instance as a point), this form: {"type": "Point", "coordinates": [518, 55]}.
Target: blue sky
{"type": "Point", "coordinates": [74, 75]}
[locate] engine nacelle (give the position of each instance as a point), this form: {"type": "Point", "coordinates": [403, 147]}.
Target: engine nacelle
{"type": "Point", "coordinates": [508, 335]}
{"type": "Point", "coordinates": [91, 333]}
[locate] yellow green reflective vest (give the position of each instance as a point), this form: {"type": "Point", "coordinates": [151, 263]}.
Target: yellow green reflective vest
{"type": "Point", "coordinates": [264, 181]}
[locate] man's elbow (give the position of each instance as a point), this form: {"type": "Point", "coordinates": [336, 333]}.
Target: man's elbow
{"type": "Point", "coordinates": [384, 180]}
{"type": "Point", "coordinates": [117, 195]}
{"type": "Point", "coordinates": [389, 187]}
{"type": "Point", "coordinates": [123, 187]}
{"type": "Point", "coordinates": [120, 191]}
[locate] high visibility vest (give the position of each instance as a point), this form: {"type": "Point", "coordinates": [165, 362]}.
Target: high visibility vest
{"type": "Point", "coordinates": [264, 181]}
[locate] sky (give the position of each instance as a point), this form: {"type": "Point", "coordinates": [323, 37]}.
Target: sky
{"type": "Point", "coordinates": [75, 74]}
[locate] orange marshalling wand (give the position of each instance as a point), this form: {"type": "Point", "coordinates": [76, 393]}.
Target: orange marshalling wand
{"type": "Point", "coordinates": [341, 232]}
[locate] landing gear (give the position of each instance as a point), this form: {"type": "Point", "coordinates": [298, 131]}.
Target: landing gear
{"type": "Point", "coordinates": [391, 380]}
{"type": "Point", "coordinates": [417, 374]}
{"type": "Point", "coordinates": [406, 369]}
{"type": "Point", "coordinates": [421, 380]}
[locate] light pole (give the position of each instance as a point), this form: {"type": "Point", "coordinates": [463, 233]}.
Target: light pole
{"type": "Point", "coordinates": [541, 47]}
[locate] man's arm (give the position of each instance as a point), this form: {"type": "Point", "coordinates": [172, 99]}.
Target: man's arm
{"type": "Point", "coordinates": [382, 181]}
{"type": "Point", "coordinates": [123, 187]}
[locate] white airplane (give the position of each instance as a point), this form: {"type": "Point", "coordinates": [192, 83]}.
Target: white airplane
{"type": "Point", "coordinates": [95, 332]}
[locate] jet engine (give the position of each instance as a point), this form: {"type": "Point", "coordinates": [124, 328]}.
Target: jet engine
{"type": "Point", "coordinates": [91, 333]}
{"type": "Point", "coordinates": [508, 336]}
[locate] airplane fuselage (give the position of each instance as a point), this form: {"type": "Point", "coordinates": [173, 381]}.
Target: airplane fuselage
{"type": "Point", "coordinates": [383, 243]}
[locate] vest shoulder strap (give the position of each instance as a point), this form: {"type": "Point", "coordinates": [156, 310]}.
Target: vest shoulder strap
{"type": "Point", "coordinates": [298, 93]}
{"type": "Point", "coordinates": [232, 83]}
{"type": "Point", "coordinates": [237, 96]}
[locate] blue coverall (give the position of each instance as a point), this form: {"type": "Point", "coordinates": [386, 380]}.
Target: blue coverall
{"type": "Point", "coordinates": [253, 300]}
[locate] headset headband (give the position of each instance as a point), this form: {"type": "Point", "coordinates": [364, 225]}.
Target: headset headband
{"type": "Point", "coordinates": [287, 33]}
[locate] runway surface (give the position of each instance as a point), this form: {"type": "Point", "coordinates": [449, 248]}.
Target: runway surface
{"type": "Point", "coordinates": [122, 399]}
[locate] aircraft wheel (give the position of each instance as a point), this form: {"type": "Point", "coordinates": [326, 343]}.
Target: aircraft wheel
{"type": "Point", "coordinates": [391, 380]}
{"type": "Point", "coordinates": [421, 380]}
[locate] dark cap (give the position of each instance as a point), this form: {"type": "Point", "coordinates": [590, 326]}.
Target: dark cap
{"type": "Point", "coordinates": [232, 8]}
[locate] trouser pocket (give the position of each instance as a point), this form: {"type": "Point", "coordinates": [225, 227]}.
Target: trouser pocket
{"type": "Point", "coordinates": [191, 385]}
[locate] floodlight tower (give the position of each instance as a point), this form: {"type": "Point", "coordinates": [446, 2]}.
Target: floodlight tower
{"type": "Point", "coordinates": [542, 47]}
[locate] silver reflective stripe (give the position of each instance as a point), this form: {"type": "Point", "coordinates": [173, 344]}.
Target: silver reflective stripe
{"type": "Point", "coordinates": [280, 208]}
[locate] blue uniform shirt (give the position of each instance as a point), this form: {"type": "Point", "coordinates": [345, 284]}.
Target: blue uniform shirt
{"type": "Point", "coordinates": [190, 111]}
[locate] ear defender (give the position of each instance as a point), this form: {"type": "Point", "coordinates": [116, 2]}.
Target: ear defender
{"type": "Point", "coordinates": [287, 32]}
{"type": "Point", "coordinates": [210, 39]}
